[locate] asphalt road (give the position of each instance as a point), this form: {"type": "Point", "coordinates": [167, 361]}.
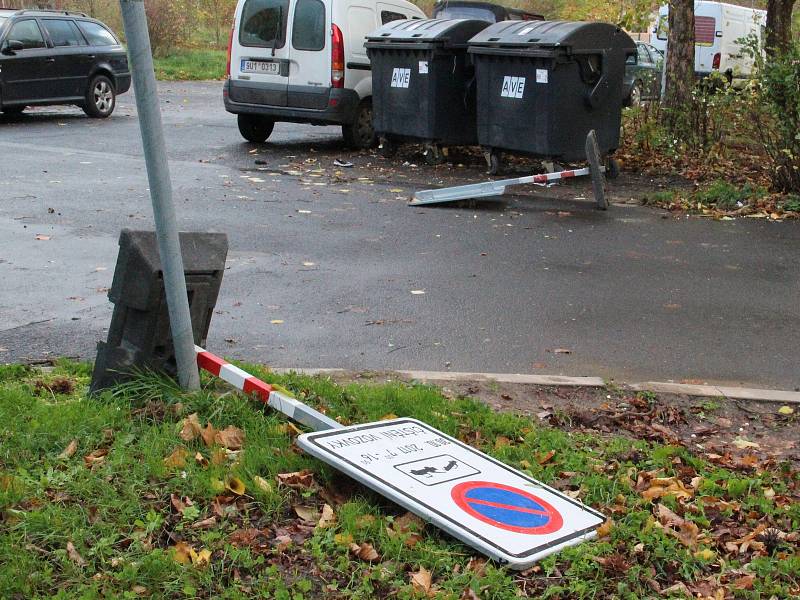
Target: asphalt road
{"type": "Point", "coordinates": [631, 294]}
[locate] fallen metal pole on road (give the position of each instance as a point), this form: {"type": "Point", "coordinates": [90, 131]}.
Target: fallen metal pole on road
{"type": "Point", "coordinates": [498, 187]}
{"type": "Point", "coordinates": [155, 155]}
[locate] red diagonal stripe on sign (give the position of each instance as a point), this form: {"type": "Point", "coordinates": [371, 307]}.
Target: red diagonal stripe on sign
{"type": "Point", "coordinates": [532, 511]}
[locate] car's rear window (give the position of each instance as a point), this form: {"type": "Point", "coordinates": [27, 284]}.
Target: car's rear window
{"type": "Point", "coordinates": [467, 12]}
{"type": "Point", "coordinates": [97, 34]}
{"type": "Point", "coordinates": [264, 23]}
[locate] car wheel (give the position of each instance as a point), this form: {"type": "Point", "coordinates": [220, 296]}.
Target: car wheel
{"type": "Point", "coordinates": [101, 99]}
{"type": "Point", "coordinates": [255, 128]}
{"type": "Point", "coordinates": [360, 134]}
{"type": "Point", "coordinates": [635, 97]}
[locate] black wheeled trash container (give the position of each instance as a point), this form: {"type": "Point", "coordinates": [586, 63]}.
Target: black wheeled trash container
{"type": "Point", "coordinates": [543, 85]}
{"type": "Point", "coordinates": [423, 83]}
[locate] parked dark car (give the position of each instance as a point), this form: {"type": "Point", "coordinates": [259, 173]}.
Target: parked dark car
{"type": "Point", "coordinates": [643, 75]}
{"type": "Point", "coordinates": [482, 11]}
{"type": "Point", "coordinates": [59, 57]}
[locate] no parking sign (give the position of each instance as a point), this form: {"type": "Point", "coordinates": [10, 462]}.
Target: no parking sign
{"type": "Point", "coordinates": [479, 500]}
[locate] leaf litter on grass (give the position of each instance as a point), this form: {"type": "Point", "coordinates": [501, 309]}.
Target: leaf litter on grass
{"type": "Point", "coordinates": [705, 521]}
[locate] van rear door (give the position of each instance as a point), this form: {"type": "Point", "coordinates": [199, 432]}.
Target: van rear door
{"type": "Point", "coordinates": [260, 53]}
{"type": "Point", "coordinates": [310, 54]}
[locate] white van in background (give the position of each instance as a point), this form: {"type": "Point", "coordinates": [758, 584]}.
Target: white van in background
{"type": "Point", "coordinates": [304, 61]}
{"type": "Point", "coordinates": [718, 28]}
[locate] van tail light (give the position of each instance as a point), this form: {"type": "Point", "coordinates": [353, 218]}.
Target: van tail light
{"type": "Point", "coordinates": [230, 49]}
{"type": "Point", "coordinates": [337, 57]}
{"type": "Point", "coordinates": [715, 63]}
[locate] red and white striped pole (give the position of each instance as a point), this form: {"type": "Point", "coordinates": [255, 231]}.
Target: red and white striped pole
{"type": "Point", "coordinates": [249, 384]}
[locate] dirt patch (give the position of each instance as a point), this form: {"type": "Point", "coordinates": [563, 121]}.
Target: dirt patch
{"type": "Point", "coordinates": [736, 434]}
{"type": "Point", "coordinates": [407, 172]}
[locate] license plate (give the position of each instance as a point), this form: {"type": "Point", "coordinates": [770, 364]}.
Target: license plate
{"type": "Point", "coordinates": [261, 66]}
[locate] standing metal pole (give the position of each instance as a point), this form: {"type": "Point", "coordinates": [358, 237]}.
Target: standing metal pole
{"type": "Point", "coordinates": [155, 155]}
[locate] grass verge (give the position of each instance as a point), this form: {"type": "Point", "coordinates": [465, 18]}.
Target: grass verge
{"type": "Point", "coordinates": [191, 65]}
{"type": "Point", "coordinates": [127, 495]}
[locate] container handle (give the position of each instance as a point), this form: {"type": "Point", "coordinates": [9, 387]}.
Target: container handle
{"type": "Point", "coordinates": [593, 97]}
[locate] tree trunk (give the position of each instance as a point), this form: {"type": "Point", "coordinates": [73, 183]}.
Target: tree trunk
{"type": "Point", "coordinates": [779, 24]}
{"type": "Point", "coordinates": [680, 57]}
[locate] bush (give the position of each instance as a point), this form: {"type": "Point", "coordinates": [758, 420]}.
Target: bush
{"type": "Point", "coordinates": [168, 23]}
{"type": "Point", "coordinates": [776, 116]}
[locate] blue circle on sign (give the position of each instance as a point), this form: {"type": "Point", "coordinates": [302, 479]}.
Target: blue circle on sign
{"type": "Point", "coordinates": [507, 507]}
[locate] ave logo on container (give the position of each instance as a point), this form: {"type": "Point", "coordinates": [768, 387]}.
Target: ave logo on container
{"type": "Point", "coordinates": [513, 87]}
{"type": "Point", "coordinates": [401, 78]}
{"type": "Point", "coordinates": [486, 504]}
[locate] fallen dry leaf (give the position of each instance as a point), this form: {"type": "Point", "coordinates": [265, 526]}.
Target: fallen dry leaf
{"type": "Point", "coordinates": [469, 594]}
{"type": "Point", "coordinates": [365, 552]}
{"type": "Point", "coordinates": [421, 581]}
{"type": "Point", "coordinates": [684, 531]}
{"type": "Point", "coordinates": [205, 523]}
{"type": "Point", "coordinates": [95, 458]}
{"type": "Point", "coordinates": [306, 513]}
{"type": "Point", "coordinates": [42, 238]}
{"type": "Point", "coordinates": [191, 428]}
{"type": "Point", "coordinates": [201, 460]}
{"type": "Point", "coordinates": [235, 485]}
{"type": "Point", "coordinates": [231, 438]}
{"type": "Point", "coordinates": [180, 553]}
{"type": "Point", "coordinates": [200, 559]}
{"type": "Point", "coordinates": [208, 434]}
{"type": "Point", "coordinates": [74, 556]}
{"type": "Point", "coordinates": [604, 530]}
{"type": "Point", "coordinates": [262, 484]}
{"type": "Point", "coordinates": [177, 459]}
{"type": "Point", "coordinates": [327, 518]}
{"type": "Point", "coordinates": [300, 480]}
{"type": "Point", "coordinates": [69, 450]}
{"type": "Point", "coordinates": [786, 411]}
{"type": "Point", "coordinates": [742, 443]}
{"type": "Point", "coordinates": [180, 504]}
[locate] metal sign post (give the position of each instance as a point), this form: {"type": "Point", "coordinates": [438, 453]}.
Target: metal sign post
{"type": "Point", "coordinates": [155, 155]}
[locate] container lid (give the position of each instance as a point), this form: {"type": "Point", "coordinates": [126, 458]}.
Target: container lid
{"type": "Point", "coordinates": [575, 35]}
{"type": "Point", "coordinates": [448, 32]}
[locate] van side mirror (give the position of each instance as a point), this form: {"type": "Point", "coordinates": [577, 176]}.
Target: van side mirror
{"type": "Point", "coordinates": [12, 47]}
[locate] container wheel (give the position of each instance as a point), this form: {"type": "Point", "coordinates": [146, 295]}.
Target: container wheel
{"type": "Point", "coordinates": [386, 147]}
{"type": "Point", "coordinates": [495, 162]}
{"type": "Point", "coordinates": [433, 154]}
{"type": "Point", "coordinates": [612, 168]}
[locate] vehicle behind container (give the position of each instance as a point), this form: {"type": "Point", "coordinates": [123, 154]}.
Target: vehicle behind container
{"type": "Point", "coordinates": [304, 61]}
{"type": "Point", "coordinates": [483, 11]}
{"type": "Point", "coordinates": [719, 32]}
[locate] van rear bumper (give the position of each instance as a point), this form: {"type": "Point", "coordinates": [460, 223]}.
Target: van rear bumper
{"type": "Point", "coordinates": [340, 109]}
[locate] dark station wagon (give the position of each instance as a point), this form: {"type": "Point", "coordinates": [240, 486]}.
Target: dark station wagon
{"type": "Point", "coordinates": [59, 57]}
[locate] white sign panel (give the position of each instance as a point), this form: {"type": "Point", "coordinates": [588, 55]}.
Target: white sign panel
{"type": "Point", "coordinates": [475, 498]}
{"type": "Point", "coordinates": [400, 78]}
{"type": "Point", "coordinates": [513, 87]}
{"type": "Point", "coordinates": [541, 75]}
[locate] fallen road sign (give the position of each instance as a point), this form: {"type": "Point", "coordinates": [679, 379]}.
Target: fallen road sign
{"type": "Point", "coordinates": [486, 504]}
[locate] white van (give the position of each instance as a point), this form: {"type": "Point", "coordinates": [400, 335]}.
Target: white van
{"type": "Point", "coordinates": [718, 28]}
{"type": "Point", "coordinates": [304, 61]}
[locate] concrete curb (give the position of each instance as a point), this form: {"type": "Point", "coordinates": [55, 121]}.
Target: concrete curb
{"type": "Point", "coordinates": [713, 391]}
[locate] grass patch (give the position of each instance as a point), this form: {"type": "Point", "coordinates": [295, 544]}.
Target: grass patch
{"type": "Point", "coordinates": [191, 65]}
{"type": "Point", "coordinates": [91, 509]}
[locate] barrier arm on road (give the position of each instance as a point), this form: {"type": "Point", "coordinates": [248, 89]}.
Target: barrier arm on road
{"type": "Point", "coordinates": [242, 380]}
{"type": "Point", "coordinates": [498, 187]}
